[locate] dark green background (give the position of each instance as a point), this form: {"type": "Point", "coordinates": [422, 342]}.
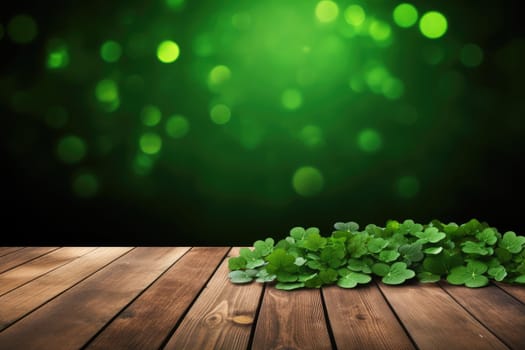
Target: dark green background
{"type": "Point", "coordinates": [232, 183]}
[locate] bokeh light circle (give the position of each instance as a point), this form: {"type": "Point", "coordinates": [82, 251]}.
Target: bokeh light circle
{"type": "Point", "coordinates": [291, 99]}
{"type": "Point", "coordinates": [71, 149]}
{"type": "Point", "coordinates": [355, 15]}
{"type": "Point", "coordinates": [85, 185]}
{"type": "Point", "coordinates": [22, 29]}
{"type": "Point", "coordinates": [110, 51]}
{"type": "Point", "coordinates": [433, 25]}
{"type": "Point", "coordinates": [150, 115]}
{"type": "Point", "coordinates": [369, 140]}
{"type": "Point", "coordinates": [220, 114]}
{"type": "Point", "coordinates": [177, 126]}
{"type": "Point", "coordinates": [471, 55]}
{"type": "Point", "coordinates": [307, 181]}
{"type": "Point", "coordinates": [168, 51]}
{"type": "Point", "coordinates": [407, 186]}
{"type": "Point", "coordinates": [150, 143]}
{"type": "Point", "coordinates": [326, 11]}
{"type": "Point", "coordinates": [405, 15]}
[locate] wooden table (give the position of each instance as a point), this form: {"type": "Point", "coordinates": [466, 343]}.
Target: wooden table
{"type": "Point", "coordinates": [180, 298]}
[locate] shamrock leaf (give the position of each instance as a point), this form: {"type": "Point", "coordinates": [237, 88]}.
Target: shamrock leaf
{"type": "Point", "coordinates": [240, 277]}
{"type": "Point", "coordinates": [428, 277]}
{"type": "Point", "coordinates": [346, 226]}
{"type": "Point", "coordinates": [375, 245]}
{"type": "Point", "coordinates": [298, 233]}
{"type": "Point", "coordinates": [397, 274]}
{"type": "Point", "coordinates": [470, 275]}
{"type": "Point", "coordinates": [487, 236]}
{"type": "Point", "coordinates": [498, 273]}
{"type": "Point", "coordinates": [289, 286]}
{"type": "Point", "coordinates": [253, 258]}
{"type": "Point", "coordinates": [359, 265]}
{"type": "Point", "coordinates": [265, 247]}
{"type": "Point", "coordinates": [314, 241]}
{"type": "Point", "coordinates": [409, 226]}
{"type": "Point", "coordinates": [280, 260]}
{"type": "Point", "coordinates": [411, 252]}
{"type": "Point", "coordinates": [357, 245]}
{"type": "Point", "coordinates": [283, 276]}
{"type": "Point", "coordinates": [433, 250]}
{"type": "Point", "coordinates": [470, 247]}
{"type": "Point", "coordinates": [352, 279]}
{"type": "Point", "coordinates": [442, 263]}
{"type": "Point", "coordinates": [520, 279]}
{"type": "Point", "coordinates": [388, 255]}
{"type": "Point", "coordinates": [300, 261]}
{"type": "Point", "coordinates": [264, 276]}
{"type": "Point", "coordinates": [511, 242]}
{"type": "Point", "coordinates": [333, 255]}
{"type": "Point", "coordinates": [236, 263]}
{"type": "Point", "coordinates": [431, 234]}
{"type": "Point", "coordinates": [328, 276]}
{"type": "Point", "coordinates": [381, 269]}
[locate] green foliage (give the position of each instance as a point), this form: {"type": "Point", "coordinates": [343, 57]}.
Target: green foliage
{"type": "Point", "coordinates": [470, 254]}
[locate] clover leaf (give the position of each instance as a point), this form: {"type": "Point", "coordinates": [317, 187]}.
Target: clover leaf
{"type": "Point", "coordinates": [236, 263]}
{"type": "Point", "coordinates": [409, 226]}
{"type": "Point", "coordinates": [253, 258]}
{"type": "Point", "coordinates": [265, 247]}
{"type": "Point", "coordinates": [352, 279]}
{"type": "Point", "coordinates": [240, 277]}
{"type": "Point", "coordinates": [487, 236]}
{"type": "Point", "coordinates": [289, 286]}
{"type": "Point", "coordinates": [298, 233]}
{"type": "Point", "coordinates": [433, 250]}
{"type": "Point", "coordinates": [388, 255]}
{"type": "Point", "coordinates": [356, 246]}
{"type": "Point", "coordinates": [520, 279]}
{"type": "Point", "coordinates": [398, 273]}
{"type": "Point", "coordinates": [314, 241]}
{"type": "Point", "coordinates": [349, 226]}
{"type": "Point", "coordinates": [470, 275]}
{"type": "Point", "coordinates": [375, 245]}
{"type": "Point", "coordinates": [470, 247]}
{"type": "Point", "coordinates": [428, 277]}
{"type": "Point", "coordinates": [511, 242]}
{"type": "Point", "coordinates": [280, 260]}
{"type": "Point", "coordinates": [411, 252]}
{"type": "Point", "coordinates": [264, 276]}
{"type": "Point", "coordinates": [431, 234]}
{"type": "Point", "coordinates": [442, 263]}
{"type": "Point", "coordinates": [360, 265]}
{"type": "Point", "coordinates": [498, 272]}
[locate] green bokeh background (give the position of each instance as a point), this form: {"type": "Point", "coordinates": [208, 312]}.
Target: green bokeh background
{"type": "Point", "coordinates": [256, 117]}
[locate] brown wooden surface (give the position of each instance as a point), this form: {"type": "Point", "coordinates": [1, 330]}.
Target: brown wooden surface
{"type": "Point", "coordinates": [181, 298]}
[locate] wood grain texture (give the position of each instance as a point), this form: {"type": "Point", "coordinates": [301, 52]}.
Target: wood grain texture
{"type": "Point", "coordinates": [435, 321]}
{"type": "Point", "coordinates": [8, 250]}
{"type": "Point", "coordinates": [21, 301]}
{"type": "Point", "coordinates": [147, 322]}
{"type": "Point", "coordinates": [22, 256]}
{"type": "Point", "coordinates": [22, 274]}
{"type": "Point", "coordinates": [222, 317]}
{"type": "Point", "coordinates": [79, 313]}
{"type": "Point", "coordinates": [361, 319]}
{"type": "Point", "coordinates": [498, 311]}
{"type": "Point", "coordinates": [517, 291]}
{"type": "Point", "coordinates": [291, 320]}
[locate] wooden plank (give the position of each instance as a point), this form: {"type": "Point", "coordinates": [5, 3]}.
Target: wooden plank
{"type": "Point", "coordinates": [495, 309]}
{"type": "Point", "coordinates": [21, 301]}
{"type": "Point", "coordinates": [291, 320]}
{"type": "Point", "coordinates": [22, 274]}
{"type": "Point", "coordinates": [435, 321]}
{"type": "Point", "coordinates": [21, 256]}
{"type": "Point", "coordinates": [73, 318]}
{"type": "Point", "coordinates": [8, 250]}
{"type": "Point", "coordinates": [517, 291]}
{"type": "Point", "coordinates": [222, 316]}
{"type": "Point", "coordinates": [147, 322]}
{"type": "Point", "coordinates": [360, 318]}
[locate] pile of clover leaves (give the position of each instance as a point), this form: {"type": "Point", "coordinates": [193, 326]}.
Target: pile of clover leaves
{"type": "Point", "coordinates": [470, 254]}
